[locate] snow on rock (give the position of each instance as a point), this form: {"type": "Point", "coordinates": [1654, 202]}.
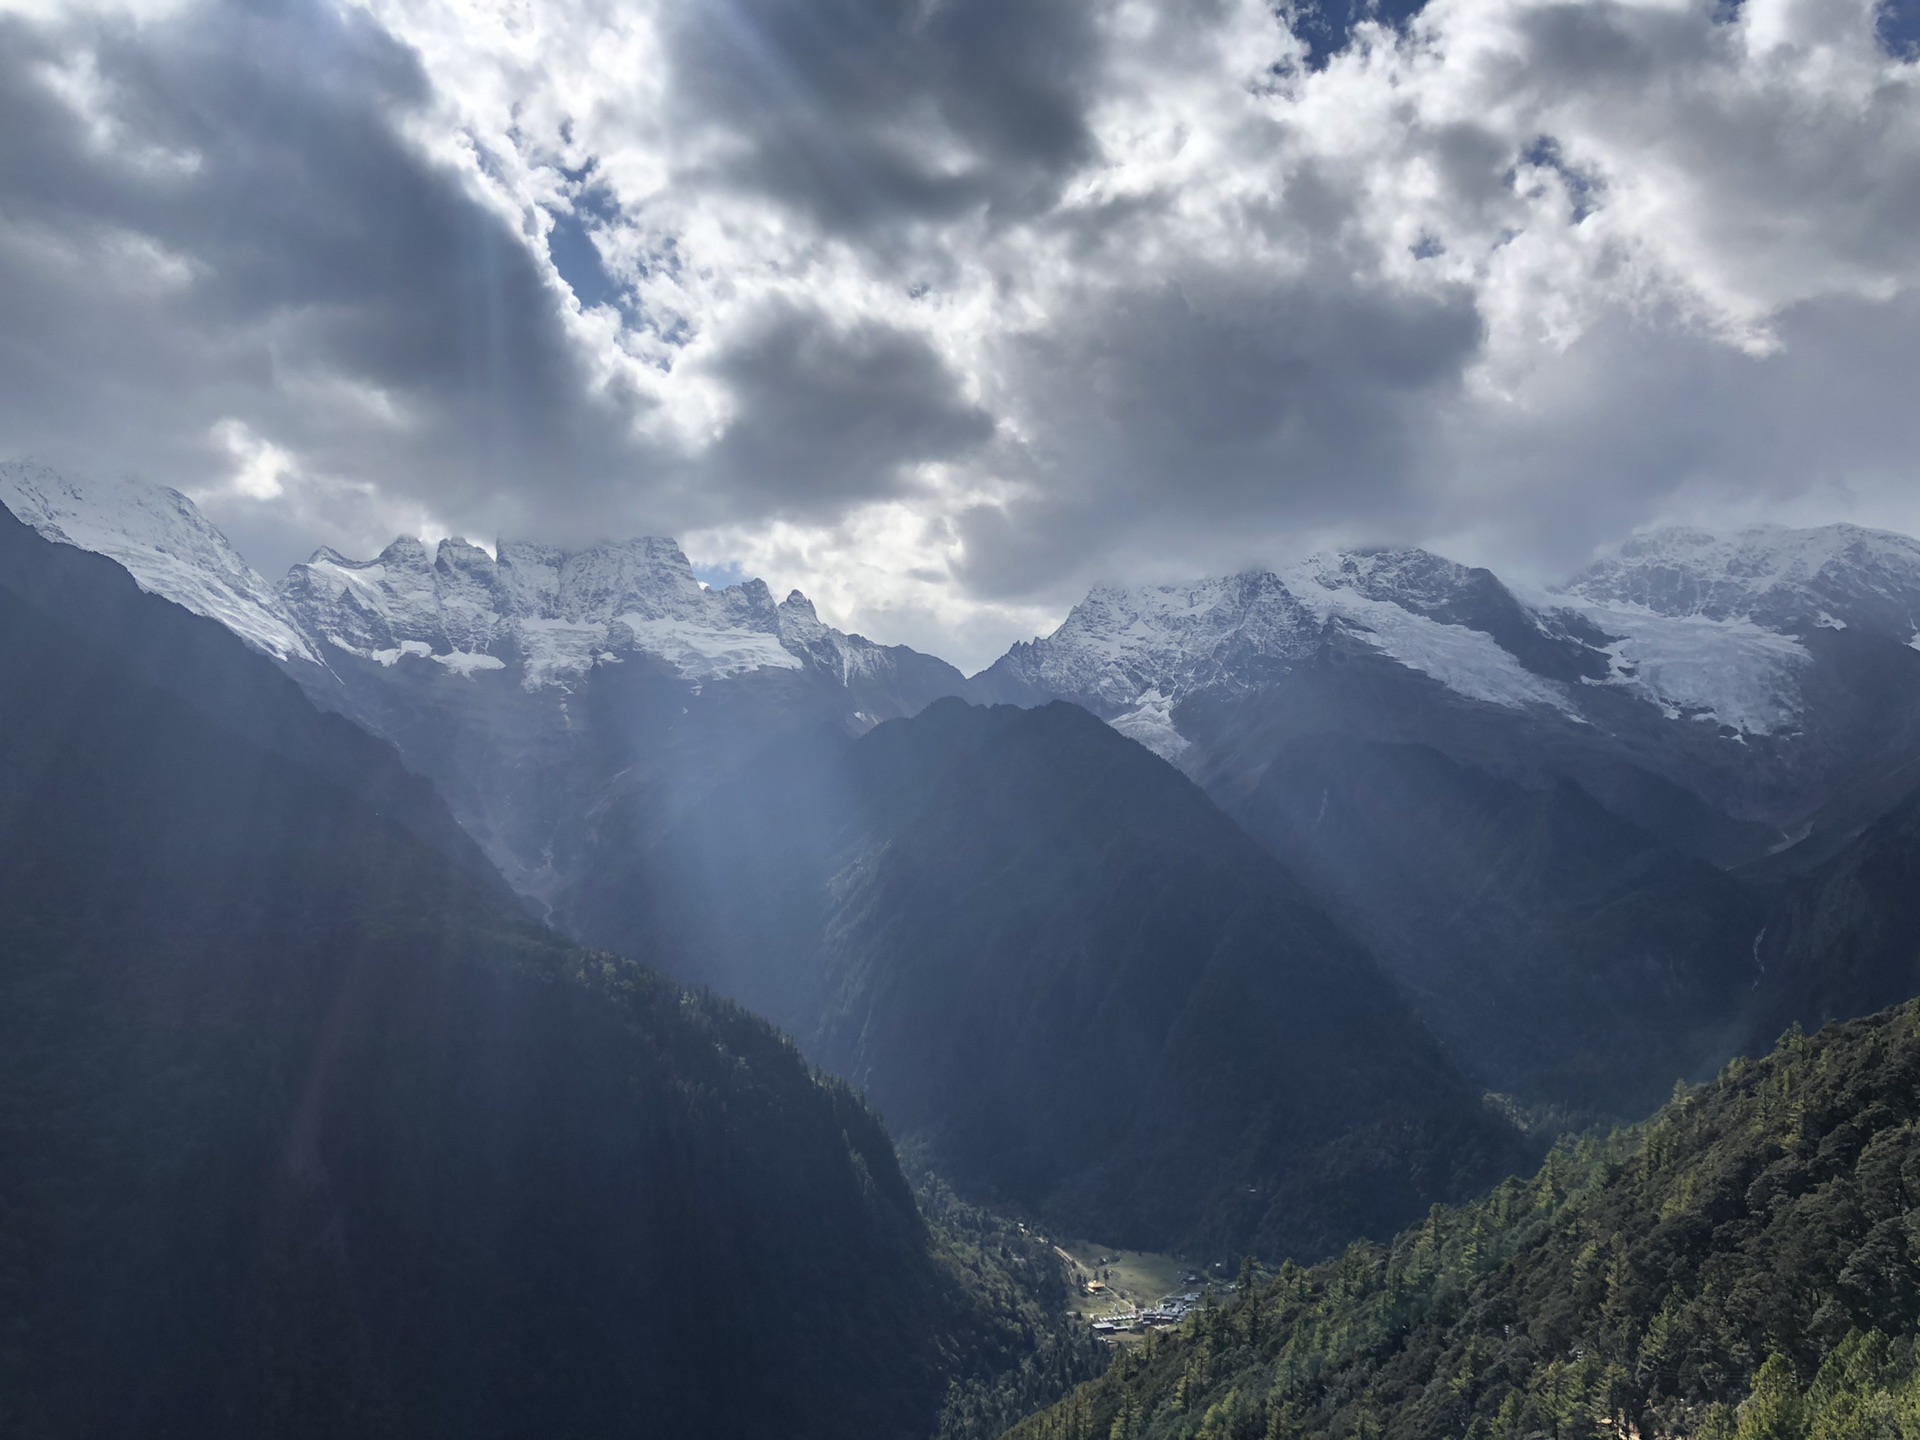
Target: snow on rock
{"type": "Point", "coordinates": [164, 542]}
{"type": "Point", "coordinates": [465, 662]}
{"type": "Point", "coordinates": [561, 612]}
{"type": "Point", "coordinates": [1135, 653]}
{"type": "Point", "coordinates": [1402, 622]}
{"type": "Point", "coordinates": [706, 652]}
{"type": "Point", "coordinates": [1710, 627]}
{"type": "Point", "coordinates": [1782, 580]}
{"type": "Point", "coordinates": [1151, 724]}
{"type": "Point", "coordinates": [1727, 672]}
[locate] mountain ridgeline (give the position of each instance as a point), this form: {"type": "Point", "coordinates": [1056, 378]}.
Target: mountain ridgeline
{"type": "Point", "coordinates": [1051, 961]}
{"type": "Point", "coordinates": [1739, 1265]}
{"type": "Point", "coordinates": [305, 1128]}
{"type": "Point", "coordinates": [1561, 819]}
{"type": "Point", "coordinates": [311, 1121]}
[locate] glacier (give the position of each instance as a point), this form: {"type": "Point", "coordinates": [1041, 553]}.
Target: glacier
{"type": "Point", "coordinates": [160, 538]}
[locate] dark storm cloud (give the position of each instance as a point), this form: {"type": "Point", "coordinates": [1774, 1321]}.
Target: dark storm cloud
{"type": "Point", "coordinates": [856, 110]}
{"type": "Point", "coordinates": [1220, 405]}
{"type": "Point", "coordinates": [254, 150]}
{"type": "Point", "coordinates": [828, 413]}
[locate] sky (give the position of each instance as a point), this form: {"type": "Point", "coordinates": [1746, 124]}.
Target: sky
{"type": "Point", "coordinates": [945, 310]}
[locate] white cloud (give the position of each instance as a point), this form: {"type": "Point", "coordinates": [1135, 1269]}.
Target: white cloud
{"type": "Point", "coordinates": [258, 464]}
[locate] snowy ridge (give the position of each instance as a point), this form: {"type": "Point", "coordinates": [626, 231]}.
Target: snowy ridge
{"type": "Point", "coordinates": [1709, 627]}
{"type": "Point", "coordinates": [1395, 601]}
{"type": "Point", "coordinates": [1786, 581]}
{"type": "Point", "coordinates": [1135, 653]}
{"type": "Point", "coordinates": [557, 612]}
{"type": "Point", "coordinates": [562, 612]}
{"type": "Point", "coordinates": [1705, 629]}
{"type": "Point", "coordinates": [164, 542]}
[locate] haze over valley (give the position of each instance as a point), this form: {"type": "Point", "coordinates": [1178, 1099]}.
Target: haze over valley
{"type": "Point", "coordinates": [959, 720]}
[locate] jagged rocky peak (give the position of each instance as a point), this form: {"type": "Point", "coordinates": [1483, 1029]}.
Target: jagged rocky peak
{"type": "Point", "coordinates": [562, 611]}
{"type": "Point", "coordinates": [1780, 579]}
{"type": "Point", "coordinates": [410, 584]}
{"type": "Point", "coordinates": [1123, 642]}
{"type": "Point", "coordinates": [160, 537]}
{"type": "Point", "coordinates": [1132, 653]}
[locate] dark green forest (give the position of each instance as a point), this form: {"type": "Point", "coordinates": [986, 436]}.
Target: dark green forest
{"type": "Point", "coordinates": [1742, 1264]}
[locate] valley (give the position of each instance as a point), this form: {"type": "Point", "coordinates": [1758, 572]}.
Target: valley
{"type": "Point", "coordinates": [1288, 916]}
{"type": "Point", "coordinates": [1124, 1294]}
{"type": "Point", "coordinates": [959, 720]}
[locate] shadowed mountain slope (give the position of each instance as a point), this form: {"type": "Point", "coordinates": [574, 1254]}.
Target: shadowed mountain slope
{"type": "Point", "coordinates": [1561, 953]}
{"type": "Point", "coordinates": [1045, 955]}
{"type": "Point", "coordinates": [1846, 940]}
{"type": "Point", "coordinates": [304, 1129]}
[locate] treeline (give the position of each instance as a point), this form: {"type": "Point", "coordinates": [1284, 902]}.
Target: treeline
{"type": "Point", "coordinates": [1730, 1268]}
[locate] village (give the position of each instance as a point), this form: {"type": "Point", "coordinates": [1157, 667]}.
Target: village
{"type": "Point", "coordinates": [1170, 1311]}
{"type": "Point", "coordinates": [1125, 1294]}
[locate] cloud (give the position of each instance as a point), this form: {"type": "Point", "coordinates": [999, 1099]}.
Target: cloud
{"type": "Point", "coordinates": [225, 226]}
{"type": "Point", "coordinates": [942, 309]}
{"type": "Point", "coordinates": [870, 115]}
{"type": "Point", "coordinates": [1179, 413]}
{"type": "Point", "coordinates": [828, 415]}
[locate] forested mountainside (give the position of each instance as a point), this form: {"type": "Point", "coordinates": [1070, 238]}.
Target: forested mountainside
{"type": "Point", "coordinates": [1048, 957]}
{"type": "Point", "coordinates": [305, 1129]}
{"type": "Point", "coordinates": [1561, 953]}
{"type": "Point", "coordinates": [1739, 1264]}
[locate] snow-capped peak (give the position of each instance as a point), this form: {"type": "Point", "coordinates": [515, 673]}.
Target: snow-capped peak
{"type": "Point", "coordinates": [564, 611]}
{"type": "Point", "coordinates": [1787, 581]}
{"type": "Point", "coordinates": [1703, 628]}
{"type": "Point", "coordinates": [1710, 627]}
{"type": "Point", "coordinates": [1133, 653]}
{"type": "Point", "coordinates": [164, 542]}
{"type": "Point", "coordinates": [561, 611]}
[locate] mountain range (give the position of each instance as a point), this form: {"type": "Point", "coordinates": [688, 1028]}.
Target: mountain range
{"type": "Point", "coordinates": [1737, 696]}
{"type": "Point", "coordinates": [307, 1128]}
{"type": "Point", "coordinates": [1560, 818]}
{"type": "Point", "coordinates": [346, 937]}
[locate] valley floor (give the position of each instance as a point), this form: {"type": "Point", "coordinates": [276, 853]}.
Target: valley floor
{"type": "Point", "coordinates": [1126, 1294]}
